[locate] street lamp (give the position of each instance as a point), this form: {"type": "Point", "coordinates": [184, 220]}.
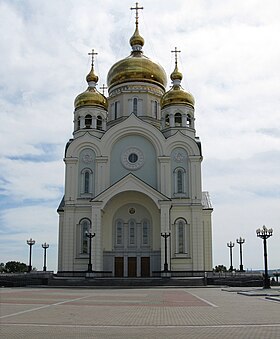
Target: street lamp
{"type": "Point", "coordinates": [90, 235]}
{"type": "Point", "coordinates": [230, 245]}
{"type": "Point", "coordinates": [45, 246]}
{"type": "Point", "coordinates": [30, 242]}
{"type": "Point", "coordinates": [240, 241]}
{"type": "Point", "coordinates": [265, 233]}
{"type": "Point", "coordinates": [165, 235]}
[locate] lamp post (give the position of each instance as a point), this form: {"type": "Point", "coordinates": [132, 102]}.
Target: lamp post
{"type": "Point", "coordinates": [30, 242]}
{"type": "Point", "coordinates": [165, 235]}
{"type": "Point", "coordinates": [264, 234]}
{"type": "Point", "coordinates": [230, 245]}
{"type": "Point", "coordinates": [90, 235]}
{"type": "Point", "coordinates": [240, 241]}
{"type": "Point", "coordinates": [45, 246]}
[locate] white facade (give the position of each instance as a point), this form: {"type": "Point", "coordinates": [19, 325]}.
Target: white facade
{"type": "Point", "coordinates": [133, 171]}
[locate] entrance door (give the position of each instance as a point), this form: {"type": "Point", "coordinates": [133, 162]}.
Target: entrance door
{"type": "Point", "coordinates": [119, 267]}
{"type": "Point", "coordinates": [132, 266]}
{"type": "Point", "coordinates": [145, 266]}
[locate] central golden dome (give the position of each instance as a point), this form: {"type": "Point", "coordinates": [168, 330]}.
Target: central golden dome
{"type": "Point", "coordinates": [136, 67]}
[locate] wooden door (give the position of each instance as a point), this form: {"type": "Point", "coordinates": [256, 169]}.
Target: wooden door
{"type": "Point", "coordinates": [145, 266]}
{"type": "Point", "coordinates": [132, 266]}
{"type": "Point", "coordinates": [119, 267]}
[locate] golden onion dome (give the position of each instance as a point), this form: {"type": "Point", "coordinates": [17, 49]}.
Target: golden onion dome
{"type": "Point", "coordinates": [91, 97]}
{"type": "Point", "coordinates": [177, 95]}
{"type": "Point", "coordinates": [136, 67]}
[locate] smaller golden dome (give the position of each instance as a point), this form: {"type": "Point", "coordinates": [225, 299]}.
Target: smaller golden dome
{"type": "Point", "coordinates": [91, 97]}
{"type": "Point", "coordinates": [176, 95]}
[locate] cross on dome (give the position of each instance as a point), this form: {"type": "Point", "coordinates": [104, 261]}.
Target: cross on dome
{"type": "Point", "coordinates": [136, 8]}
{"type": "Point", "coordinates": [176, 55]}
{"type": "Point", "coordinates": [92, 53]}
{"type": "Point", "coordinates": [103, 87]}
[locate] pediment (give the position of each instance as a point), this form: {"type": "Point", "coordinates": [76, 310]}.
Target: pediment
{"type": "Point", "coordinates": [130, 183]}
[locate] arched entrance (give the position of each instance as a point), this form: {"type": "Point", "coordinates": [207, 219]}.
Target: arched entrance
{"type": "Point", "coordinates": [134, 236]}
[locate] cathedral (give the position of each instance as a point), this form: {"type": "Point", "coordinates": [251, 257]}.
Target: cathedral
{"type": "Point", "coordinates": [133, 204]}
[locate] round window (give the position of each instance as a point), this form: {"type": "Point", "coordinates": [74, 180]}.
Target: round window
{"type": "Point", "coordinates": [132, 158]}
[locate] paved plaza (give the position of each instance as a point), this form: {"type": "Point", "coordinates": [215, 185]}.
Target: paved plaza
{"type": "Point", "coordinates": [138, 313]}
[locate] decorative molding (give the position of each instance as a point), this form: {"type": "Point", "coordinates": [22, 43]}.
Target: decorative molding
{"type": "Point", "coordinates": [132, 158]}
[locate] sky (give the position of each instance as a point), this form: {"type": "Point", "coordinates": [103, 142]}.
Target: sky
{"type": "Point", "coordinates": [230, 60]}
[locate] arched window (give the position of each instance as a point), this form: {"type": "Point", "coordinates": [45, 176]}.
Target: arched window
{"type": "Point", "coordinates": [182, 237]}
{"type": "Point", "coordinates": [119, 233]}
{"type": "Point", "coordinates": [167, 120]}
{"type": "Point", "coordinates": [132, 232]}
{"type": "Point", "coordinates": [99, 122]}
{"type": "Point", "coordinates": [85, 225]}
{"type": "Point", "coordinates": [156, 109]}
{"type": "Point", "coordinates": [179, 180]}
{"type": "Point", "coordinates": [189, 120]}
{"type": "Point", "coordinates": [178, 119]}
{"type": "Point", "coordinates": [79, 123]}
{"type": "Point", "coordinates": [87, 177]}
{"type": "Point", "coordinates": [87, 181]}
{"type": "Point", "coordinates": [88, 121]}
{"type": "Point", "coordinates": [115, 110]}
{"type": "Point", "coordinates": [135, 106]}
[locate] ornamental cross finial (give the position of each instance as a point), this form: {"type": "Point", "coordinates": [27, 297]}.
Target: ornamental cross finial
{"type": "Point", "coordinates": [92, 53]}
{"type": "Point", "coordinates": [136, 8]}
{"type": "Point", "coordinates": [103, 87]}
{"type": "Point", "coordinates": [176, 55]}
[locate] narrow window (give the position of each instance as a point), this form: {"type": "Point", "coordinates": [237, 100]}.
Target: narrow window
{"type": "Point", "coordinates": [85, 226]}
{"type": "Point", "coordinates": [119, 232]}
{"type": "Point", "coordinates": [116, 110]}
{"type": "Point", "coordinates": [132, 232]}
{"type": "Point", "coordinates": [86, 181]}
{"type": "Point", "coordinates": [156, 109]}
{"type": "Point", "coordinates": [181, 243]}
{"type": "Point", "coordinates": [135, 106]}
{"type": "Point", "coordinates": [99, 122]}
{"type": "Point", "coordinates": [88, 121]}
{"type": "Point", "coordinates": [145, 232]}
{"type": "Point", "coordinates": [178, 119]}
{"type": "Point", "coordinates": [167, 121]}
{"type": "Point", "coordinates": [179, 181]}
{"type": "Point", "coordinates": [79, 123]}
{"type": "Point", "coordinates": [189, 120]}
{"type": "Point", "coordinates": [86, 178]}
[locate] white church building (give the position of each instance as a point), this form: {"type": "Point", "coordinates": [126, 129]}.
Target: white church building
{"type": "Point", "coordinates": [133, 176]}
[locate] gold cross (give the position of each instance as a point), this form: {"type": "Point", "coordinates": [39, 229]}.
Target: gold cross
{"type": "Point", "coordinates": [176, 55]}
{"type": "Point", "coordinates": [136, 8]}
{"type": "Point", "coordinates": [103, 87]}
{"type": "Point", "coordinates": [92, 53]}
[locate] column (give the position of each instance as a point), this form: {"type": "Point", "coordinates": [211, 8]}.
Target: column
{"type": "Point", "coordinates": [97, 248]}
{"type": "Point", "coordinates": [82, 122]}
{"type": "Point", "coordinates": [165, 227]}
{"type": "Point", "coordinates": [171, 121]}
